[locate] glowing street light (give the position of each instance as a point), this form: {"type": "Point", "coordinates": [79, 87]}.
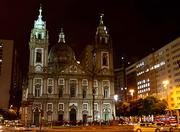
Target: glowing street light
{"type": "Point", "coordinates": [131, 92]}
{"type": "Point", "coordinates": [165, 83]}
{"type": "Point", "coordinates": [116, 97]}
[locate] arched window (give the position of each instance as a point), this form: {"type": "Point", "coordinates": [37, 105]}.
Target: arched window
{"type": "Point", "coordinates": [84, 87]}
{"type": "Point", "coordinates": [106, 111]}
{"type": "Point", "coordinates": [61, 86]}
{"type": "Point", "coordinates": [106, 88]}
{"type": "Point", "coordinates": [37, 87]}
{"type": "Point", "coordinates": [50, 85]}
{"type": "Point", "coordinates": [72, 88]}
{"type": "Point", "coordinates": [105, 59]}
{"type": "Point", "coordinates": [38, 55]}
{"type": "Point", "coordinates": [39, 36]}
{"type": "Point", "coordinates": [37, 90]}
{"type": "Point", "coordinates": [95, 87]}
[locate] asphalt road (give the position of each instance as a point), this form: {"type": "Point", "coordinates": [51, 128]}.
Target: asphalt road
{"type": "Point", "coordinates": [81, 129]}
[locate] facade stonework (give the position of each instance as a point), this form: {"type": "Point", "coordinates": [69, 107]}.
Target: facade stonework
{"type": "Point", "coordinates": [60, 88]}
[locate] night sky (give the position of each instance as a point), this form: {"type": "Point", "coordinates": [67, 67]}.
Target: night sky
{"type": "Point", "coordinates": [136, 26]}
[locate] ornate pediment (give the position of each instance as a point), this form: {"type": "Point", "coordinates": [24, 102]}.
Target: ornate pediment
{"type": "Point", "coordinates": [73, 69]}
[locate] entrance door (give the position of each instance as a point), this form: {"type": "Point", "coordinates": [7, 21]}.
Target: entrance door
{"type": "Point", "coordinates": [60, 117]}
{"type": "Point", "coordinates": [72, 114]}
{"type": "Point", "coordinates": [36, 117]}
{"type": "Point", "coordinates": [84, 118]}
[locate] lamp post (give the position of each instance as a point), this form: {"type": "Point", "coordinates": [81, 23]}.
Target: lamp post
{"type": "Point", "coordinates": [131, 93]}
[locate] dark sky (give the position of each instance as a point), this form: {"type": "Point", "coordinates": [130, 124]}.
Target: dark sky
{"type": "Point", "coordinates": [136, 26]}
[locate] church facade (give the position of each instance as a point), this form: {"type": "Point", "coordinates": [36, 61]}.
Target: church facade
{"type": "Point", "coordinates": [60, 88]}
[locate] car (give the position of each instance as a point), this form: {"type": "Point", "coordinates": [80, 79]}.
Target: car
{"type": "Point", "coordinates": [152, 127]}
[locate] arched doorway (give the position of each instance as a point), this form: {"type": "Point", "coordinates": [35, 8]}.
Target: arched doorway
{"type": "Point", "coordinates": [106, 114]}
{"type": "Point", "coordinates": [72, 116]}
{"type": "Point", "coordinates": [61, 117]}
{"type": "Point", "coordinates": [36, 117]}
{"type": "Point", "coordinates": [84, 118]}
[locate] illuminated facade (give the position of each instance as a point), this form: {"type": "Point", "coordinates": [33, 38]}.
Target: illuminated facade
{"type": "Point", "coordinates": [60, 88]}
{"type": "Point", "coordinates": [157, 67]}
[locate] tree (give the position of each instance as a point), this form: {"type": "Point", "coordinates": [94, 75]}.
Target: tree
{"type": "Point", "coordinates": [149, 103]}
{"type": "Point", "coordinates": [147, 106]}
{"type": "Point", "coordinates": [160, 107]}
{"type": "Point", "coordinates": [122, 109]}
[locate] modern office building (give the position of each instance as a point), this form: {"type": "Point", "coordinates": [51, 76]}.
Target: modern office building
{"type": "Point", "coordinates": [158, 74]}
{"type": "Point", "coordinates": [60, 88]}
{"type": "Point", "coordinates": [6, 68]}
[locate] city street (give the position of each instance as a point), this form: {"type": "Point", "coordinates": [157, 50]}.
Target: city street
{"type": "Point", "coordinates": [124, 128]}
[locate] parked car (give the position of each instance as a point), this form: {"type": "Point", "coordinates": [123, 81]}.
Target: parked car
{"type": "Point", "coordinates": [152, 127]}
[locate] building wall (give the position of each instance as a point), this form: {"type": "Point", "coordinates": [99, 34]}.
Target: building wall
{"type": "Point", "coordinates": [6, 61]}
{"type": "Point", "coordinates": [53, 76]}
{"type": "Point", "coordinates": [157, 67]}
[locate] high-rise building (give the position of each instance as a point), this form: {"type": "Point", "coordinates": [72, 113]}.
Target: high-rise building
{"type": "Point", "coordinates": [158, 74]}
{"type": "Point", "coordinates": [60, 88]}
{"type": "Point", "coordinates": [6, 67]}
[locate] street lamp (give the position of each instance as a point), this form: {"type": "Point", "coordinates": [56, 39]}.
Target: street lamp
{"type": "Point", "coordinates": [116, 98]}
{"type": "Point", "coordinates": [131, 92]}
{"type": "Point", "coordinates": [165, 83]}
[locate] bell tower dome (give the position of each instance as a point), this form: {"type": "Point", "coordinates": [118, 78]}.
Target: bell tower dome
{"type": "Point", "coordinates": [38, 45]}
{"type": "Point", "coordinates": [103, 48]}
